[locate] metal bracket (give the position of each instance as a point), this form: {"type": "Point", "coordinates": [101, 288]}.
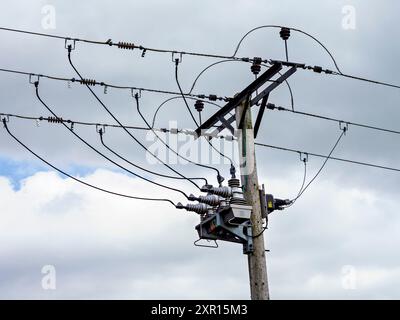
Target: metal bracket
{"type": "Point", "coordinates": [260, 115]}
{"type": "Point", "coordinates": [137, 92]}
{"type": "Point", "coordinates": [5, 118]}
{"type": "Point", "coordinates": [215, 246]}
{"type": "Point", "coordinates": [273, 86]}
{"type": "Point", "coordinates": [344, 126]}
{"type": "Point", "coordinates": [101, 127]}
{"type": "Point", "coordinates": [240, 97]}
{"type": "Point", "coordinates": [226, 124]}
{"type": "Point", "coordinates": [305, 158]}
{"type": "Point", "coordinates": [69, 42]}
{"type": "Point", "coordinates": [31, 77]}
{"type": "Point", "coordinates": [175, 59]}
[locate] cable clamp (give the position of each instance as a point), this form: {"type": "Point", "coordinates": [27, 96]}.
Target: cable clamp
{"type": "Point", "coordinates": [105, 89]}
{"type": "Point", "coordinates": [303, 156]}
{"type": "Point", "coordinates": [344, 126]}
{"type": "Point", "coordinates": [136, 93]}
{"type": "Point", "coordinates": [33, 78]}
{"type": "Point", "coordinates": [100, 128]}
{"type": "Point", "coordinates": [176, 60]}
{"type": "Point", "coordinates": [69, 44]}
{"type": "Point", "coordinates": [5, 118]}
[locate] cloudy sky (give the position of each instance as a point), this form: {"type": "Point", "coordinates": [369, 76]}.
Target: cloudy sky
{"type": "Point", "coordinates": [340, 240]}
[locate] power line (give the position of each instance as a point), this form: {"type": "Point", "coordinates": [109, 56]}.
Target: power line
{"type": "Point", "coordinates": [320, 169]}
{"type": "Point", "coordinates": [101, 133]}
{"type": "Point", "coordinates": [181, 92]}
{"type": "Point", "coordinates": [99, 125]}
{"type": "Point", "coordinates": [100, 153]}
{"type": "Point", "coordinates": [92, 82]}
{"type": "Point", "coordinates": [272, 106]}
{"type": "Point", "coordinates": [294, 29]}
{"type": "Point", "coordinates": [332, 158]}
{"type": "Point", "coordinates": [168, 147]}
{"type": "Point", "coordinates": [132, 46]}
{"type": "Point", "coordinates": [386, 84]}
{"type": "Point", "coordinates": [174, 98]}
{"type": "Point", "coordinates": [220, 179]}
{"type": "Point", "coordinates": [78, 180]}
{"type": "Point", "coordinates": [123, 45]}
{"type": "Point", "coordinates": [126, 130]}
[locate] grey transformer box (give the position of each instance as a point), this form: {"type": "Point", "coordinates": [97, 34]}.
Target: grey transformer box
{"type": "Point", "coordinates": [231, 224]}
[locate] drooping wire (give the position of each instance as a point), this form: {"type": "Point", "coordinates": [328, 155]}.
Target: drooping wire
{"type": "Point", "coordinates": [304, 178]}
{"type": "Point", "coordinates": [193, 118]}
{"type": "Point", "coordinates": [123, 127]}
{"type": "Point", "coordinates": [320, 169]}
{"type": "Point", "coordinates": [78, 180]}
{"type": "Point", "coordinates": [100, 153]}
{"type": "Point", "coordinates": [181, 91]}
{"type": "Point", "coordinates": [174, 98]}
{"type": "Point", "coordinates": [294, 29]}
{"type": "Point", "coordinates": [163, 142]}
{"type": "Point", "coordinates": [208, 67]}
{"type": "Point", "coordinates": [101, 134]}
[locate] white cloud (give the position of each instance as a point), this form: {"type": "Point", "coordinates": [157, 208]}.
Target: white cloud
{"type": "Point", "coordinates": [106, 247]}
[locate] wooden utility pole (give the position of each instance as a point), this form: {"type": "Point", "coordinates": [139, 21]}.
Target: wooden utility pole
{"type": "Point", "coordinates": [248, 171]}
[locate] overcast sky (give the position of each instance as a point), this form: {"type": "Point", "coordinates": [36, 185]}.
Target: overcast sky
{"type": "Point", "coordinates": [340, 240]}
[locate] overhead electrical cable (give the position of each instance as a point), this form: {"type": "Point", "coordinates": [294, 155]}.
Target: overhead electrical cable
{"type": "Point", "coordinates": [79, 180]}
{"type": "Point", "coordinates": [119, 122]}
{"type": "Point", "coordinates": [99, 152]}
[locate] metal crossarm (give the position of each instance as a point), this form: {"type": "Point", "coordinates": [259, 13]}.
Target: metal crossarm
{"type": "Point", "coordinates": [239, 98]}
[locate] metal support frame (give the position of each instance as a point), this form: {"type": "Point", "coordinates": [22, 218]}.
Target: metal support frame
{"type": "Point", "coordinates": [239, 98]}
{"type": "Point", "coordinates": [220, 115]}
